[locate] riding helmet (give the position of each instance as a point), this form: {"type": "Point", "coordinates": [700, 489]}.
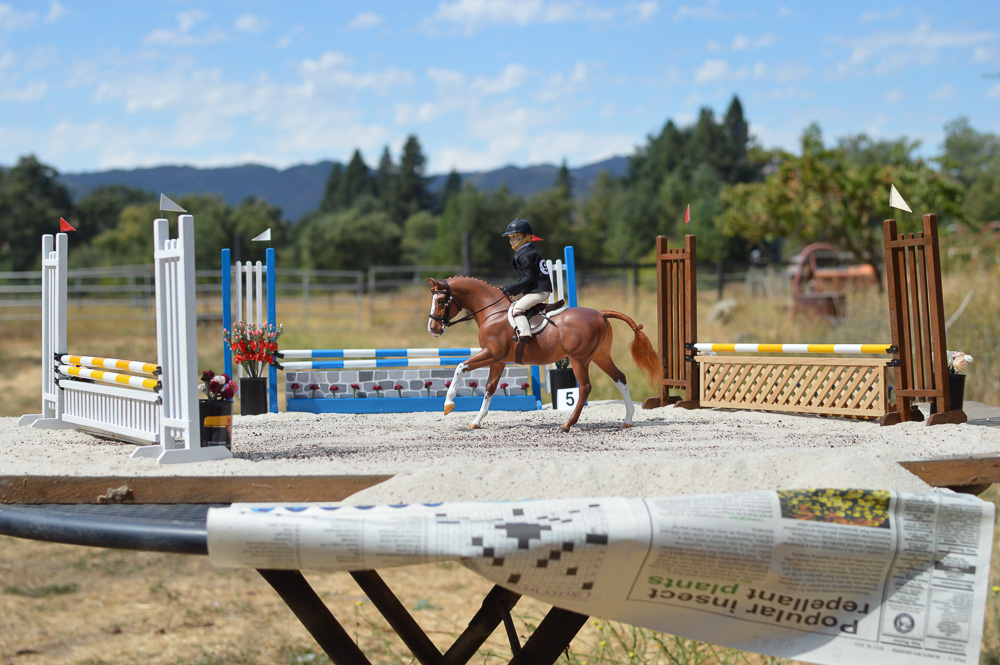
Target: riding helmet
{"type": "Point", "coordinates": [519, 226]}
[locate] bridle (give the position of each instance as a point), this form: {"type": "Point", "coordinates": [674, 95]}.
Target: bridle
{"type": "Point", "coordinates": [445, 320]}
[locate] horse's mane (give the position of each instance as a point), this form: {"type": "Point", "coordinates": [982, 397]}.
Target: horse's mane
{"type": "Point", "coordinates": [474, 279]}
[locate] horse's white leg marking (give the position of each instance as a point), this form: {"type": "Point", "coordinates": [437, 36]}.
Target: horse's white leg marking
{"type": "Point", "coordinates": [629, 407]}
{"type": "Point", "coordinates": [483, 410]}
{"type": "Point", "coordinates": [449, 398]}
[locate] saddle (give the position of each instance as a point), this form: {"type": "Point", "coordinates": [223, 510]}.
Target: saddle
{"type": "Point", "coordinates": [538, 316]}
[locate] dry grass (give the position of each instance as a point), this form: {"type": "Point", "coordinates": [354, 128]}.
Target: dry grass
{"type": "Point", "coordinates": [400, 321]}
{"type": "Point", "coordinates": [66, 604]}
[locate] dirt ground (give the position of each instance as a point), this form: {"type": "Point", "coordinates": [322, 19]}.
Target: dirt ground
{"type": "Point", "coordinates": [92, 606]}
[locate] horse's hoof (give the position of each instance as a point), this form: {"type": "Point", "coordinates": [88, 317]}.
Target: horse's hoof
{"type": "Point", "coordinates": [473, 426]}
{"type": "Point", "coordinates": [626, 425]}
{"type": "Point", "coordinates": [448, 408]}
{"type": "Point", "coordinates": [564, 429]}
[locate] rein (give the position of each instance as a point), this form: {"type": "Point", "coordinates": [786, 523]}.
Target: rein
{"type": "Point", "coordinates": [445, 320]}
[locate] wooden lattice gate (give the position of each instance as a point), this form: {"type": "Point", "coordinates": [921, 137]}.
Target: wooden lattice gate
{"type": "Point", "coordinates": [828, 386]}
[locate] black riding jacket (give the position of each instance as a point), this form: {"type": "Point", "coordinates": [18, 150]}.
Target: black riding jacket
{"type": "Point", "coordinates": [532, 275]}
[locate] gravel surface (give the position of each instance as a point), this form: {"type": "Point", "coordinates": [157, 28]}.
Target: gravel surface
{"type": "Point", "coordinates": [522, 455]}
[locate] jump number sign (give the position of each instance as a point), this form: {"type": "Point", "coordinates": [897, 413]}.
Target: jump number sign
{"type": "Point", "coordinates": [566, 398]}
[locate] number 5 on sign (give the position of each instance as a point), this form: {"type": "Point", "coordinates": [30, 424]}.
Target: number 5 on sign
{"type": "Point", "coordinates": [567, 398]}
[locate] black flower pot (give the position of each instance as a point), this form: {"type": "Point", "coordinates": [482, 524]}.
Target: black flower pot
{"type": "Point", "coordinates": [956, 383]}
{"type": "Point", "coordinates": [956, 386]}
{"type": "Point", "coordinates": [561, 379]}
{"type": "Point", "coordinates": [216, 418]}
{"type": "Point", "coordinates": [253, 395]}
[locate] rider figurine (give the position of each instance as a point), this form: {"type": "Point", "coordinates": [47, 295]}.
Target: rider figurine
{"type": "Point", "coordinates": [532, 276]}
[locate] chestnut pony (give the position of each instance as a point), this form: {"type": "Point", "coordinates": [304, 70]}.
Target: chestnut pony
{"type": "Point", "coordinates": [582, 334]}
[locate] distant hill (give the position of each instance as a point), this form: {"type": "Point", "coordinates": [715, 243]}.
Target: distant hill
{"type": "Point", "coordinates": [298, 190]}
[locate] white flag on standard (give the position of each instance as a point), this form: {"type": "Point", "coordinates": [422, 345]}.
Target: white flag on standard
{"type": "Point", "coordinates": [168, 205]}
{"type": "Point", "coordinates": [265, 236]}
{"type": "Point", "coordinates": [896, 200]}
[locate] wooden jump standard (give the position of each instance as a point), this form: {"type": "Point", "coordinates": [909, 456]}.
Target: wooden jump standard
{"type": "Point", "coordinates": [828, 386]}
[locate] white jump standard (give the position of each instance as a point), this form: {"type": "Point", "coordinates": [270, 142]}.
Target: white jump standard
{"type": "Point", "coordinates": [141, 402]}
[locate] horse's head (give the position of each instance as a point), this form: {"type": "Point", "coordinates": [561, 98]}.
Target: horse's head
{"type": "Point", "coordinates": [443, 307]}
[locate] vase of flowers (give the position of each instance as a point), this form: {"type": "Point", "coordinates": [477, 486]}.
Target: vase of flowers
{"type": "Point", "coordinates": [958, 362]}
{"type": "Point", "coordinates": [215, 411]}
{"type": "Point", "coordinates": [253, 349]}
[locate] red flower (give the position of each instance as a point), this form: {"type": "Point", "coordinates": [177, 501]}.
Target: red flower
{"type": "Point", "coordinates": [524, 386]}
{"type": "Point", "coordinates": [397, 387]}
{"type": "Point", "coordinates": [334, 388]}
{"type": "Point", "coordinates": [427, 384]}
{"type": "Point", "coordinates": [295, 386]}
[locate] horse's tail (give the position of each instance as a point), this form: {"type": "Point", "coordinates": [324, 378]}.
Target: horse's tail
{"type": "Point", "coordinates": [643, 353]}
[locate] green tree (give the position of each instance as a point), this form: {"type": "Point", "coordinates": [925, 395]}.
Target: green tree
{"type": "Point", "coordinates": [331, 191]}
{"type": "Point", "coordinates": [452, 186]}
{"type": "Point", "coordinates": [973, 159]}
{"type": "Point", "coordinates": [31, 203]}
{"type": "Point", "coordinates": [483, 215]}
{"type": "Point", "coordinates": [419, 237]}
{"type": "Point", "coordinates": [354, 239]}
{"type": "Point", "coordinates": [836, 195]}
{"type": "Point", "coordinates": [411, 192]}
{"type": "Point", "coordinates": [357, 182]}
{"type": "Point", "coordinates": [99, 210]}
{"type": "Point", "coordinates": [386, 180]}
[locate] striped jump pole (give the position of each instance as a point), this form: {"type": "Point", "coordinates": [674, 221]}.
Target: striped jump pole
{"type": "Point", "coordinates": [109, 377]}
{"type": "Point", "coordinates": [714, 347]}
{"type": "Point", "coordinates": [319, 359]}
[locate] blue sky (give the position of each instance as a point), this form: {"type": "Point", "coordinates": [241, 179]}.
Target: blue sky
{"type": "Point", "coordinates": [98, 84]}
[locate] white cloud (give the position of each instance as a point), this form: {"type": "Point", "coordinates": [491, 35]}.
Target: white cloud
{"type": "Point", "coordinates": [643, 10]}
{"type": "Point", "coordinates": [470, 16]}
{"type": "Point", "coordinates": [994, 92]}
{"type": "Point", "coordinates": [944, 93]}
{"type": "Point", "coordinates": [251, 24]}
{"type": "Point", "coordinates": [706, 12]}
{"type": "Point", "coordinates": [894, 50]}
{"type": "Point", "coordinates": [56, 12]}
{"type": "Point", "coordinates": [187, 20]}
{"type": "Point", "coordinates": [742, 42]}
{"type": "Point", "coordinates": [183, 36]}
{"type": "Point", "coordinates": [787, 72]}
{"type": "Point", "coordinates": [12, 20]}
{"type": "Point", "coordinates": [894, 96]}
{"type": "Point", "coordinates": [366, 20]}
{"type": "Point", "coordinates": [759, 69]}
{"type": "Point", "coordinates": [718, 70]}
{"type": "Point", "coordinates": [30, 92]}
{"type": "Point", "coordinates": [334, 71]}
{"type": "Point", "coordinates": [577, 147]}
{"type": "Point", "coordinates": [510, 79]}
{"type": "Point", "coordinates": [875, 16]}
{"type": "Point", "coordinates": [446, 78]}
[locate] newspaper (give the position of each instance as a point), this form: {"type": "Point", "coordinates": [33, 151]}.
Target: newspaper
{"type": "Point", "coordinates": [827, 575]}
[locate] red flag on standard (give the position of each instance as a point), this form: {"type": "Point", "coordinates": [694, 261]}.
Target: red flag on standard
{"type": "Point", "coordinates": [687, 215]}
{"type": "Point", "coordinates": [64, 226]}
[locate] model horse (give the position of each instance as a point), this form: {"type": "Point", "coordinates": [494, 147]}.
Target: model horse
{"type": "Point", "coordinates": [582, 334]}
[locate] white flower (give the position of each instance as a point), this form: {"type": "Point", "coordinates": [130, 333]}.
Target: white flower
{"type": "Point", "coordinates": [958, 361]}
